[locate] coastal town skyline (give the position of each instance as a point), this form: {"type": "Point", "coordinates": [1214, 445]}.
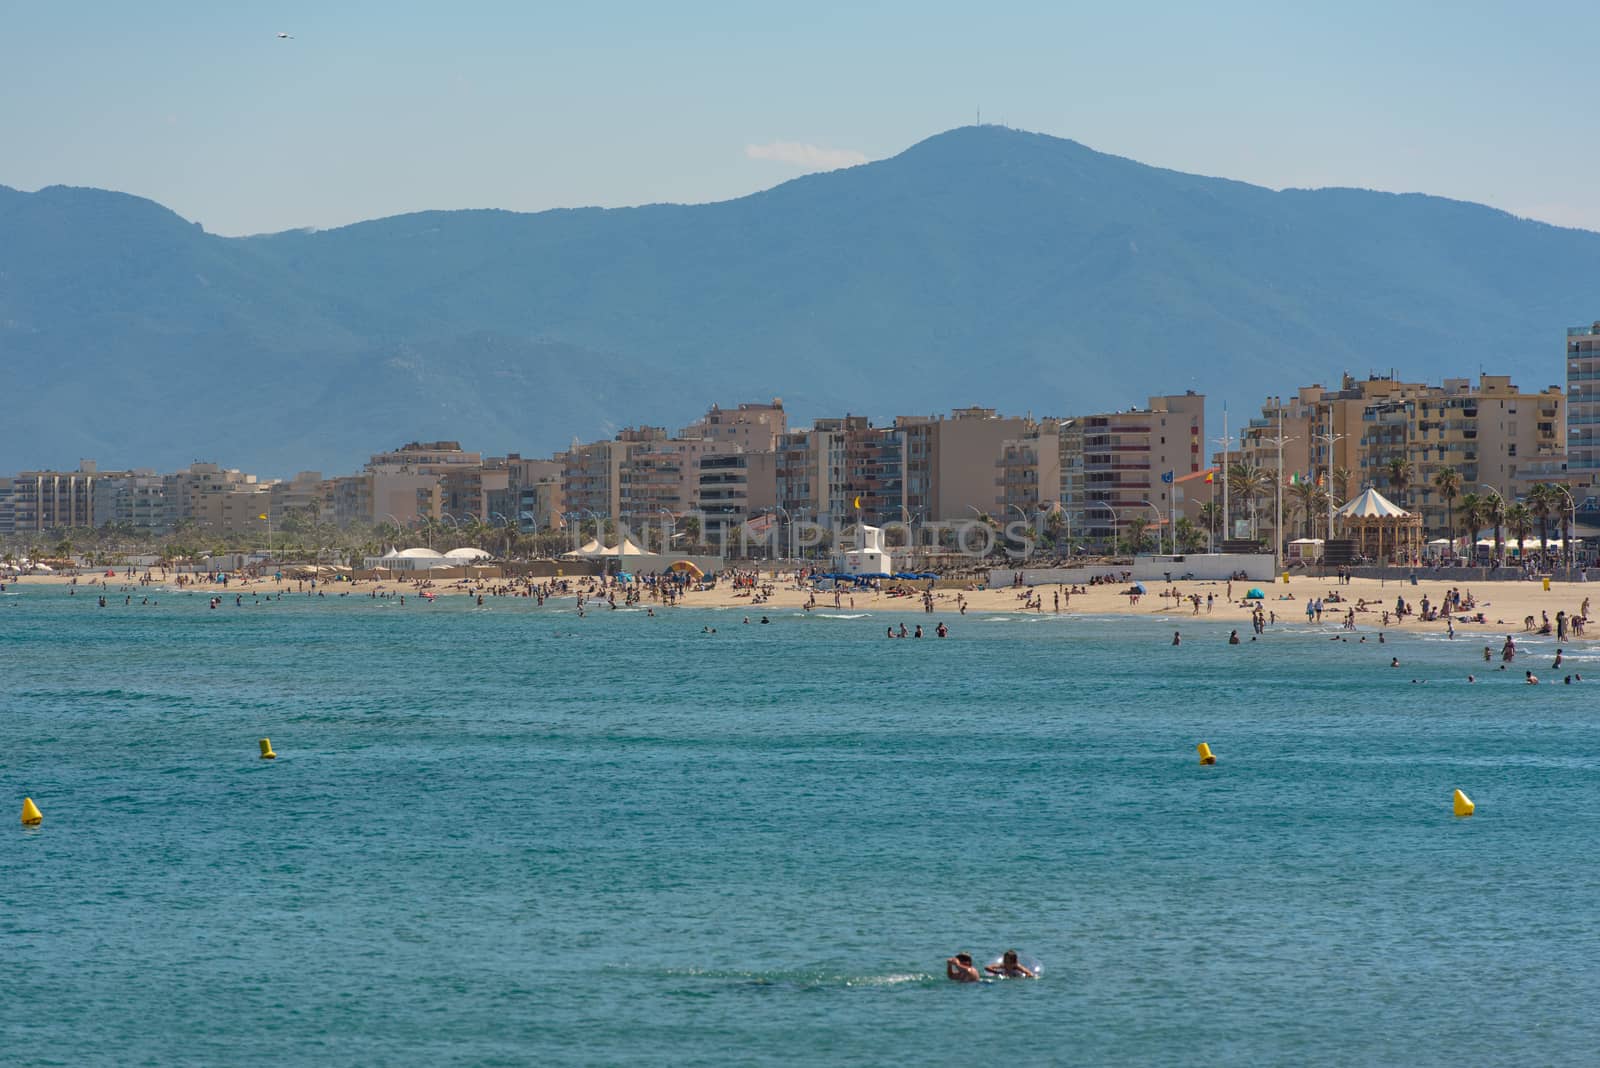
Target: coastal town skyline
{"type": "Point", "coordinates": [745, 465]}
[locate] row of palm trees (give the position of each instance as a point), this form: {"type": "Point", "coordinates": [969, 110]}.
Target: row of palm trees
{"type": "Point", "coordinates": [1250, 485]}
{"type": "Point", "coordinates": [1543, 501]}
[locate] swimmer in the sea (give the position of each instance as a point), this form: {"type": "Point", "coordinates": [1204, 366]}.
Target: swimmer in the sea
{"type": "Point", "coordinates": [961, 969]}
{"type": "Point", "coordinates": [1010, 968]}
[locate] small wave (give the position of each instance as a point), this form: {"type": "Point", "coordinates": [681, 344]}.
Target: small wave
{"type": "Point", "coordinates": [891, 980]}
{"type": "Point", "coordinates": [841, 615]}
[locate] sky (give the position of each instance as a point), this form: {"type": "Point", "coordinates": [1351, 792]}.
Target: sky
{"type": "Point", "coordinates": [373, 109]}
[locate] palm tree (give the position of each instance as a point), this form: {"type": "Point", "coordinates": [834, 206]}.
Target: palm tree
{"type": "Point", "coordinates": [1191, 539]}
{"type": "Point", "coordinates": [1447, 480]}
{"type": "Point", "coordinates": [1473, 510]}
{"type": "Point", "coordinates": [1399, 470]}
{"type": "Point", "coordinates": [1494, 511]}
{"type": "Point", "coordinates": [1341, 484]}
{"type": "Point", "coordinates": [1249, 483]}
{"type": "Point", "coordinates": [1137, 527]}
{"type": "Point", "coordinates": [1310, 501]}
{"type": "Point", "coordinates": [1542, 500]}
{"type": "Point", "coordinates": [1519, 521]}
{"type": "Point", "coordinates": [1211, 517]}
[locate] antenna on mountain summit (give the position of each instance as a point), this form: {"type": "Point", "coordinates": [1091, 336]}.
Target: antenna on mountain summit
{"type": "Point", "coordinates": [978, 120]}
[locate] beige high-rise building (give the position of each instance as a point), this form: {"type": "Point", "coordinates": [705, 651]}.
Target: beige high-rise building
{"type": "Point", "coordinates": [1131, 460]}
{"type": "Point", "coordinates": [950, 461]}
{"type": "Point", "coordinates": [216, 498]}
{"type": "Point", "coordinates": [1028, 473]}
{"type": "Point", "coordinates": [592, 479]}
{"type": "Point", "coordinates": [58, 500]}
{"type": "Point", "coordinates": [750, 427]}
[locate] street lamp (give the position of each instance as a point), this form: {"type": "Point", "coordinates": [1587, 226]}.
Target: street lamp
{"type": "Point", "coordinates": [1227, 445]}
{"type": "Point", "coordinates": [1329, 439]}
{"type": "Point", "coordinates": [1157, 511]}
{"type": "Point", "coordinates": [672, 529]}
{"type": "Point", "coordinates": [1277, 529]}
{"type": "Point", "coordinates": [1572, 528]}
{"type": "Point", "coordinates": [1502, 513]}
{"type": "Point", "coordinates": [1114, 519]}
{"type": "Point", "coordinates": [787, 522]}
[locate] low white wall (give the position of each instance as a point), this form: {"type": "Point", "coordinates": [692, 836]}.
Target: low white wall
{"type": "Point", "coordinates": [1257, 567]}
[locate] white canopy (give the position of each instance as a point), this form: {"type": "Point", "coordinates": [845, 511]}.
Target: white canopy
{"type": "Point", "coordinates": [594, 548]}
{"type": "Point", "coordinates": [1372, 505]}
{"type": "Point", "coordinates": [467, 552]}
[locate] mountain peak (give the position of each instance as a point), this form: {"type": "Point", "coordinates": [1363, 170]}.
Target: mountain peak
{"type": "Point", "coordinates": [1040, 273]}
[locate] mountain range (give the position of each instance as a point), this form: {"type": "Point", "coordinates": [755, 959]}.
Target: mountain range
{"type": "Point", "coordinates": [984, 265]}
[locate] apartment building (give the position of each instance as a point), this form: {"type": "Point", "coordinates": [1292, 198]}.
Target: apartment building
{"type": "Point", "coordinates": [533, 491]}
{"type": "Point", "coordinates": [592, 474]}
{"type": "Point", "coordinates": [1486, 431]}
{"type": "Point", "coordinates": [664, 477]}
{"type": "Point", "coordinates": [1028, 473]}
{"type": "Point", "coordinates": [213, 497]}
{"type": "Point", "coordinates": [950, 460]}
{"type": "Point", "coordinates": [734, 487]}
{"type": "Point", "coordinates": [305, 494]}
{"type": "Point", "coordinates": [1490, 432]}
{"type": "Point", "coordinates": [1128, 457]}
{"type": "Point", "coordinates": [1583, 406]}
{"type": "Point", "coordinates": [141, 503]}
{"type": "Point", "coordinates": [812, 470]}
{"type": "Point", "coordinates": [55, 500]}
{"type": "Point", "coordinates": [749, 427]}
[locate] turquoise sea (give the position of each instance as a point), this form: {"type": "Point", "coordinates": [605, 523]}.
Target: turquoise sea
{"type": "Point", "coordinates": [504, 835]}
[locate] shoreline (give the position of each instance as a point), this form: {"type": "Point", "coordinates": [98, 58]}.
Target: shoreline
{"type": "Point", "coordinates": [1505, 606]}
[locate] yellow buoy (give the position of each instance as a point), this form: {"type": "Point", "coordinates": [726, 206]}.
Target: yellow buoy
{"type": "Point", "coordinates": [266, 750]}
{"type": "Point", "coordinates": [1205, 753]}
{"type": "Point", "coordinates": [31, 816]}
{"type": "Point", "coordinates": [1463, 804]}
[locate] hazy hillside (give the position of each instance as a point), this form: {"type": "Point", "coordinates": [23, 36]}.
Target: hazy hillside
{"type": "Point", "coordinates": [983, 265]}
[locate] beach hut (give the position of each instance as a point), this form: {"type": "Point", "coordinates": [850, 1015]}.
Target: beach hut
{"type": "Point", "coordinates": [1381, 528]}
{"type": "Point", "coordinates": [1305, 549]}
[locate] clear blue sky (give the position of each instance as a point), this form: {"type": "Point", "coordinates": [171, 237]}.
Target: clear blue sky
{"type": "Point", "coordinates": [378, 108]}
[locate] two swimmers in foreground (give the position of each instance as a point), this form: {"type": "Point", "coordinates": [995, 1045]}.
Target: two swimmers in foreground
{"type": "Point", "coordinates": [961, 969]}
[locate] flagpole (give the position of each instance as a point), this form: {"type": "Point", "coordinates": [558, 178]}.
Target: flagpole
{"type": "Point", "coordinates": [1210, 539]}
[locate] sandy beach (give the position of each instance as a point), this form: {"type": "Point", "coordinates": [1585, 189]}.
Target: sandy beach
{"type": "Point", "coordinates": [1504, 606]}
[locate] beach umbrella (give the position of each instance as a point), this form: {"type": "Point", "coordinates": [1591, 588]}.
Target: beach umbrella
{"type": "Point", "coordinates": [1138, 587]}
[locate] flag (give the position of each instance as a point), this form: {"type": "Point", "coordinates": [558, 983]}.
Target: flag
{"type": "Point", "coordinates": [1211, 476]}
{"type": "Point", "coordinates": [1294, 478]}
{"type": "Point", "coordinates": [1168, 476]}
{"type": "Point", "coordinates": [858, 502]}
{"type": "Point", "coordinates": [263, 515]}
